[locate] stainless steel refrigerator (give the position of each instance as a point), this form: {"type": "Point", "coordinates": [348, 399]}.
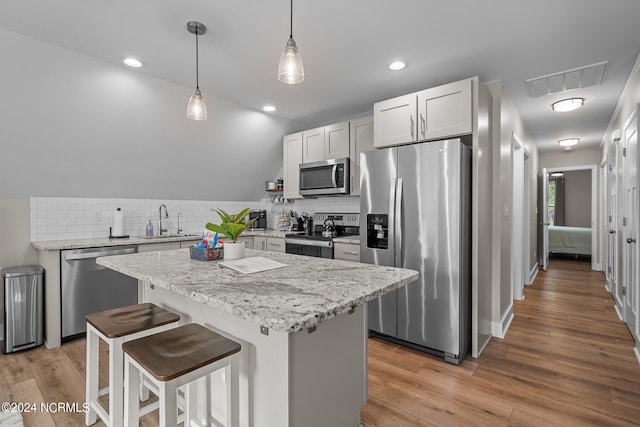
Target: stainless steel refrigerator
{"type": "Point", "coordinates": [415, 213]}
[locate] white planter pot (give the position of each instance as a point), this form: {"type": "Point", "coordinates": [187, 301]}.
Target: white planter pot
{"type": "Point", "coordinates": [233, 250]}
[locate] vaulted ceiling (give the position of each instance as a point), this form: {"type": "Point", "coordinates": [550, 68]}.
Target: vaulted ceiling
{"type": "Point", "coordinates": [347, 46]}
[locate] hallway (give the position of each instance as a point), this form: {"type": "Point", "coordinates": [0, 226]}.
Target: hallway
{"type": "Point", "coordinates": [567, 360]}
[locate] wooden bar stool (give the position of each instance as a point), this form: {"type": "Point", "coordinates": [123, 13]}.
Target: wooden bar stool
{"type": "Point", "coordinates": [116, 327]}
{"type": "Point", "coordinates": [178, 357]}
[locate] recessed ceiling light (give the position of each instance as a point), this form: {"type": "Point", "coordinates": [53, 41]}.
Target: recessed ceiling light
{"type": "Point", "coordinates": [567, 104]}
{"type": "Point", "coordinates": [568, 142]}
{"type": "Point", "coordinates": [397, 65]}
{"type": "Point", "coordinates": [269, 108]}
{"type": "Point", "coordinates": [132, 62]}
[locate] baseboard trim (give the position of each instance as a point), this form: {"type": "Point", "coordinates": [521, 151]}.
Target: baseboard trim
{"type": "Point", "coordinates": [1, 331]}
{"type": "Point", "coordinates": [636, 350]}
{"type": "Point", "coordinates": [533, 273]}
{"type": "Point", "coordinates": [618, 313]}
{"type": "Point", "coordinates": [499, 329]}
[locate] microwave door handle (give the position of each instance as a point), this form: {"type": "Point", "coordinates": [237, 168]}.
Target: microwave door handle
{"type": "Point", "coordinates": [334, 176]}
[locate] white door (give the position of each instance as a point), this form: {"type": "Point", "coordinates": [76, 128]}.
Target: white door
{"type": "Point", "coordinates": [612, 223]}
{"type": "Point", "coordinates": [629, 226]}
{"type": "Point", "coordinates": [545, 219]}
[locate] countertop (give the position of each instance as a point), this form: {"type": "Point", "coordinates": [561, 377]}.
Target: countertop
{"type": "Point", "coordinates": [53, 245]}
{"type": "Point", "coordinates": [297, 297]}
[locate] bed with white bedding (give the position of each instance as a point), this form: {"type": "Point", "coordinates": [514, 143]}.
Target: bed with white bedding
{"type": "Point", "coordinates": [569, 240]}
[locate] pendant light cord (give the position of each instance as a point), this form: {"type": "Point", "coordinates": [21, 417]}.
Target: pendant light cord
{"type": "Point", "coordinates": [291, 24]}
{"type": "Point", "coordinates": [197, 66]}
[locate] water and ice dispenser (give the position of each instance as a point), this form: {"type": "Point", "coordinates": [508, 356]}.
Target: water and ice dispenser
{"type": "Point", "coordinates": [378, 231]}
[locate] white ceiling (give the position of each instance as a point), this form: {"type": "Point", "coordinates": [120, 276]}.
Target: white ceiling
{"type": "Point", "coordinates": [347, 45]}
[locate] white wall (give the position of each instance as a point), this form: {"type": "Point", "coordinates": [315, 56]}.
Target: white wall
{"type": "Point", "coordinates": [506, 121]}
{"type": "Point", "coordinates": [577, 157]}
{"type": "Point", "coordinates": [75, 126]}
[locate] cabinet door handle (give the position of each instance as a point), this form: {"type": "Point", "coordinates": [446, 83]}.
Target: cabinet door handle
{"type": "Point", "coordinates": [630, 240]}
{"type": "Point", "coordinates": [350, 252]}
{"type": "Point", "coordinates": [411, 122]}
{"type": "Point", "coordinates": [423, 126]}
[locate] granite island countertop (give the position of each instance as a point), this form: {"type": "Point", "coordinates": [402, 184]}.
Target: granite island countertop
{"type": "Point", "coordinates": [305, 293]}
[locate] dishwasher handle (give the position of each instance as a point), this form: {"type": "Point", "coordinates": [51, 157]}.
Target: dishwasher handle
{"type": "Point", "coordinates": [91, 255]}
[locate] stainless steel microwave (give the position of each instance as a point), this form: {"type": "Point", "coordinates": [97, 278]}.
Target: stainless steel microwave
{"type": "Point", "coordinates": [328, 177]}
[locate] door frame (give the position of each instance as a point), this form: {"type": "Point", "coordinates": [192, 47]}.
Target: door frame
{"type": "Point", "coordinates": [631, 309]}
{"type": "Point", "coordinates": [603, 231]}
{"type": "Point", "coordinates": [520, 218]}
{"type": "Point", "coordinates": [594, 210]}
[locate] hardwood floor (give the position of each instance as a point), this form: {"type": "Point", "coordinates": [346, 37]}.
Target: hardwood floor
{"type": "Point", "coordinates": [567, 360]}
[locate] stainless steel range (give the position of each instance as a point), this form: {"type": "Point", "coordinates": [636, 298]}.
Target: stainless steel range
{"type": "Point", "coordinates": [319, 241]}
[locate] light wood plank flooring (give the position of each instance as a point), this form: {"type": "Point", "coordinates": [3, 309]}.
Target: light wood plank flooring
{"type": "Point", "coordinates": [567, 360]}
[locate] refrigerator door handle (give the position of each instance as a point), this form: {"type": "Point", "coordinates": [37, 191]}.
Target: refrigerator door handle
{"type": "Point", "coordinates": [398, 223]}
{"type": "Point", "coordinates": [392, 218]}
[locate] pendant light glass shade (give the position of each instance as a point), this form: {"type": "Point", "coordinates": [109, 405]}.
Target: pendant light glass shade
{"type": "Point", "coordinates": [196, 109]}
{"type": "Point", "coordinates": [290, 68]}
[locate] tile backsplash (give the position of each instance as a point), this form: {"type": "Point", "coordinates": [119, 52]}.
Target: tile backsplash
{"type": "Point", "coordinates": [62, 218]}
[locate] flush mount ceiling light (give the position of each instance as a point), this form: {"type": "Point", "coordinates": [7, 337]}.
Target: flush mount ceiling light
{"type": "Point", "coordinates": [397, 65]}
{"type": "Point", "coordinates": [269, 108]}
{"type": "Point", "coordinates": [197, 109]}
{"type": "Point", "coordinates": [557, 174]}
{"type": "Point", "coordinates": [568, 142]}
{"type": "Point", "coordinates": [567, 104]}
{"type": "Point", "coordinates": [290, 68]}
{"type": "Point", "coordinates": [132, 62]}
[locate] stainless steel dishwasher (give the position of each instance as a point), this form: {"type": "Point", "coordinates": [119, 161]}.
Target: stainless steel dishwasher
{"type": "Point", "coordinates": [87, 287]}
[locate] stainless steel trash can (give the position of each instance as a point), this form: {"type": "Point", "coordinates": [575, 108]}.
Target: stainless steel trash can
{"type": "Point", "coordinates": [23, 287]}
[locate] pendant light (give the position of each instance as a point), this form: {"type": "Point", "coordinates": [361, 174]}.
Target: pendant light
{"type": "Point", "coordinates": [290, 69]}
{"type": "Point", "coordinates": [197, 109]}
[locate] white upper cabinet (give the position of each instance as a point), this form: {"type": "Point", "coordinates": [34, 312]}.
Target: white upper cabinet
{"type": "Point", "coordinates": [440, 112]}
{"type": "Point", "coordinates": [313, 145]}
{"type": "Point", "coordinates": [445, 111]}
{"type": "Point", "coordinates": [336, 141]}
{"type": "Point", "coordinates": [323, 143]}
{"type": "Point", "coordinates": [395, 121]}
{"type": "Point", "coordinates": [292, 147]}
{"type": "Point", "coordinates": [361, 139]}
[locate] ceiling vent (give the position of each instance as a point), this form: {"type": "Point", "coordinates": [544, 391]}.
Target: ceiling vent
{"type": "Point", "coordinates": [577, 78]}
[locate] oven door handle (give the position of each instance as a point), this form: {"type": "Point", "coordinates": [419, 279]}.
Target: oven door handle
{"type": "Point", "coordinates": [304, 242]}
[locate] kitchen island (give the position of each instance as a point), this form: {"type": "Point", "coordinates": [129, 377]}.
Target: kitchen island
{"type": "Point", "coordinates": [302, 327]}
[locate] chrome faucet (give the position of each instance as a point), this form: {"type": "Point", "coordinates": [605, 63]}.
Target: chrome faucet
{"type": "Point", "coordinates": [179, 229]}
{"type": "Point", "coordinates": [166, 215]}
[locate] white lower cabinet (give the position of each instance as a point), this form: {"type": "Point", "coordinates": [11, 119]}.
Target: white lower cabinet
{"type": "Point", "coordinates": [275, 244]}
{"type": "Point", "coordinates": [260, 243]}
{"type": "Point", "coordinates": [346, 251]}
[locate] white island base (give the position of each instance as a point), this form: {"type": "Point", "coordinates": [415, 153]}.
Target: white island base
{"type": "Point", "coordinates": [306, 378]}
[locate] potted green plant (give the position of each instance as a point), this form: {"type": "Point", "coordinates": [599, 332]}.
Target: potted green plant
{"type": "Point", "coordinates": [232, 226]}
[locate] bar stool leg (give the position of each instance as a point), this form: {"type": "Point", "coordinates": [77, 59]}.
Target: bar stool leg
{"type": "Point", "coordinates": [92, 375]}
{"type": "Point", "coordinates": [116, 365]}
{"type": "Point", "coordinates": [191, 410]}
{"type": "Point", "coordinates": [132, 405]}
{"type": "Point", "coordinates": [168, 404]}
